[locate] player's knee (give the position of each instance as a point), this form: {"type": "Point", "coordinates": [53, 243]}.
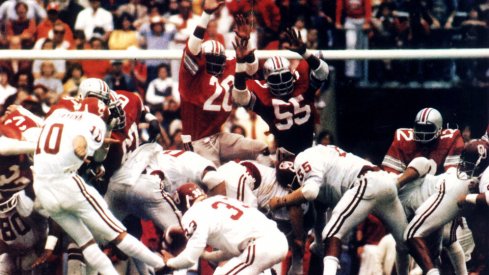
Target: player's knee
{"type": "Point", "coordinates": [119, 238]}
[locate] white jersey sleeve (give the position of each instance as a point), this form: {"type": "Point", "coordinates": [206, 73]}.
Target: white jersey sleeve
{"type": "Point", "coordinates": [238, 183]}
{"type": "Point", "coordinates": [484, 181]}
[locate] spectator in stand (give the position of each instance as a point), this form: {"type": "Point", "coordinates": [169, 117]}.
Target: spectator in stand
{"type": "Point", "coordinates": [80, 40]}
{"type": "Point", "coordinates": [212, 33]}
{"type": "Point", "coordinates": [160, 89]}
{"type": "Point", "coordinates": [48, 79]}
{"type": "Point", "coordinates": [23, 27]}
{"type": "Point", "coordinates": [117, 80]}
{"type": "Point", "coordinates": [34, 10]}
{"type": "Point", "coordinates": [45, 27]}
{"type": "Point", "coordinates": [312, 39]}
{"type": "Point", "coordinates": [138, 71]}
{"type": "Point", "coordinates": [6, 89]}
{"type": "Point", "coordinates": [155, 36]}
{"type": "Point", "coordinates": [42, 93]}
{"type": "Point", "coordinates": [325, 137]}
{"type": "Point", "coordinates": [15, 66]}
{"type": "Point", "coordinates": [95, 17]}
{"type": "Point", "coordinates": [124, 35]}
{"type": "Point", "coordinates": [24, 79]}
{"type": "Point", "coordinates": [133, 8]}
{"type": "Point", "coordinates": [73, 79]}
{"type": "Point", "coordinates": [58, 35]}
{"type": "Point", "coordinates": [68, 12]}
{"type": "Point", "coordinates": [60, 65]}
{"type": "Point", "coordinates": [96, 68]}
{"type": "Point", "coordinates": [357, 20]}
{"type": "Point", "coordinates": [267, 14]}
{"type": "Point", "coordinates": [300, 26]}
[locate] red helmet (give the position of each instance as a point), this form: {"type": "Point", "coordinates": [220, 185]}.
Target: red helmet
{"type": "Point", "coordinates": [187, 194]}
{"type": "Point", "coordinates": [284, 169]}
{"type": "Point", "coordinates": [474, 159]}
{"type": "Point", "coordinates": [95, 106]}
{"type": "Point", "coordinates": [254, 172]}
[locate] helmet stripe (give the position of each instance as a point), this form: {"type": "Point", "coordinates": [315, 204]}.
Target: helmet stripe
{"type": "Point", "coordinates": [425, 114]}
{"type": "Point", "coordinates": [281, 64]}
{"type": "Point", "coordinates": [275, 63]}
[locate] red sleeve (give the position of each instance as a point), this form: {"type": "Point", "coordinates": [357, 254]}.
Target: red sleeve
{"type": "Point", "coordinates": [339, 8]}
{"type": "Point", "coordinates": [189, 67]}
{"type": "Point", "coordinates": [368, 10]}
{"type": "Point", "coordinates": [393, 159]}
{"type": "Point", "coordinates": [453, 156]}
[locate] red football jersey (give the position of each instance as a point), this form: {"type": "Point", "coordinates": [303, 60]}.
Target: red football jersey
{"type": "Point", "coordinates": [21, 120]}
{"type": "Point", "coordinates": [206, 100]}
{"type": "Point", "coordinates": [291, 120]}
{"type": "Point", "coordinates": [15, 171]}
{"type": "Point", "coordinates": [445, 151]}
{"type": "Point", "coordinates": [68, 103]}
{"type": "Point", "coordinates": [129, 137]}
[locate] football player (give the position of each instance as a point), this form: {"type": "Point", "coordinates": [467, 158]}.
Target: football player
{"type": "Point", "coordinates": [206, 77]}
{"type": "Point", "coordinates": [354, 188]}
{"type": "Point", "coordinates": [441, 207]}
{"type": "Point", "coordinates": [67, 140]}
{"type": "Point", "coordinates": [255, 184]}
{"type": "Point", "coordinates": [242, 234]}
{"type": "Point", "coordinates": [285, 99]}
{"type": "Point", "coordinates": [428, 139]}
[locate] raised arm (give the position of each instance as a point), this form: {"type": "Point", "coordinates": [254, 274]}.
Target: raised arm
{"type": "Point", "coordinates": [195, 40]}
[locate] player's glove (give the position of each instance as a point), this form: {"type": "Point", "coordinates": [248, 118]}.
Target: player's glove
{"type": "Point", "coordinates": [117, 117]}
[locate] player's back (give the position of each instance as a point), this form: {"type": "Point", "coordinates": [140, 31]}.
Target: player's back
{"type": "Point", "coordinates": [330, 163]}
{"type": "Point", "coordinates": [66, 102]}
{"type": "Point", "coordinates": [55, 152]}
{"type": "Point", "coordinates": [230, 223]}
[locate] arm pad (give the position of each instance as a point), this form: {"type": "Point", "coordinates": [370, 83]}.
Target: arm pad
{"type": "Point", "coordinates": [321, 73]}
{"type": "Point", "coordinates": [241, 97]}
{"type": "Point", "coordinates": [212, 179]}
{"type": "Point", "coordinates": [423, 166]}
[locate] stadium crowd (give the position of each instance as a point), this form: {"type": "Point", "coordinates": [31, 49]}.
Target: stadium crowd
{"type": "Point", "coordinates": [113, 144]}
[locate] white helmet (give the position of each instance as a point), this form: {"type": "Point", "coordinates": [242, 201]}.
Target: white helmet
{"type": "Point", "coordinates": [95, 87]}
{"type": "Point", "coordinates": [278, 76]}
{"type": "Point", "coordinates": [427, 125]}
{"type": "Point", "coordinates": [215, 56]}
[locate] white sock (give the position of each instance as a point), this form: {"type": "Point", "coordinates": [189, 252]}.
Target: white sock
{"type": "Point", "coordinates": [457, 257]}
{"type": "Point", "coordinates": [134, 248]}
{"type": "Point", "coordinates": [331, 265]}
{"type": "Point", "coordinates": [433, 271]}
{"type": "Point", "coordinates": [98, 260]}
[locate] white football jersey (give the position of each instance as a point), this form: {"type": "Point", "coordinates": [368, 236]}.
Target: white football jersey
{"type": "Point", "coordinates": [484, 181]}
{"type": "Point", "coordinates": [55, 152]}
{"type": "Point", "coordinates": [179, 167]}
{"type": "Point", "coordinates": [225, 224]}
{"type": "Point", "coordinates": [240, 184]}
{"type": "Point", "coordinates": [328, 165]}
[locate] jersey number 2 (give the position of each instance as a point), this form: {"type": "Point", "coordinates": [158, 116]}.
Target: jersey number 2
{"type": "Point", "coordinates": [212, 104]}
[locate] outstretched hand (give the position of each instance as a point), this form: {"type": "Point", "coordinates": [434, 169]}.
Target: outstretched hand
{"type": "Point", "coordinates": [241, 48]}
{"type": "Point", "coordinates": [242, 29]}
{"type": "Point", "coordinates": [211, 6]}
{"type": "Point", "coordinates": [295, 41]}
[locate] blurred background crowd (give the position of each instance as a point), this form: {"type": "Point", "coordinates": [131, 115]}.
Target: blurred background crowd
{"type": "Point", "coordinates": [166, 24]}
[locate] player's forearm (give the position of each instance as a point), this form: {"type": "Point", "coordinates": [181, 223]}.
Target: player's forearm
{"type": "Point", "coordinates": [297, 221]}
{"type": "Point", "coordinates": [9, 147]}
{"type": "Point", "coordinates": [195, 40]}
{"type": "Point", "coordinates": [294, 198]}
{"type": "Point", "coordinates": [216, 256]}
{"type": "Point", "coordinates": [186, 259]}
{"type": "Point", "coordinates": [409, 175]}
